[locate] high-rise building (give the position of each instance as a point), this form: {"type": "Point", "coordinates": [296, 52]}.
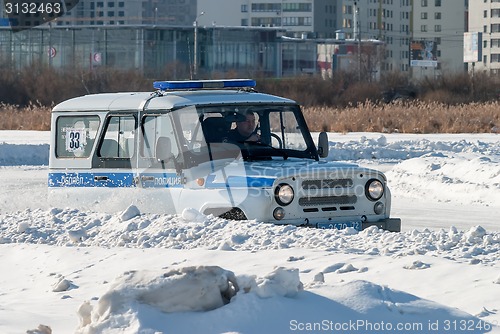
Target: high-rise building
{"type": "Point", "coordinates": [25, 15]}
{"type": "Point", "coordinates": [317, 18]}
{"type": "Point", "coordinates": [484, 18]}
{"type": "Point", "coordinates": [121, 12]}
{"type": "Point", "coordinates": [439, 26]}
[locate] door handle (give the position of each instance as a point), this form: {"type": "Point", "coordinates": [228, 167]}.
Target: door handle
{"type": "Point", "coordinates": [100, 178]}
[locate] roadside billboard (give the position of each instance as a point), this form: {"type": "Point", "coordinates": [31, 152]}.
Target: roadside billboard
{"type": "Point", "coordinates": [423, 53]}
{"type": "Point", "coordinates": [472, 47]}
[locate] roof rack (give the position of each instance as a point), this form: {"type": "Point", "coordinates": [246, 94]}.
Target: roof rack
{"type": "Point", "coordinates": [204, 84]}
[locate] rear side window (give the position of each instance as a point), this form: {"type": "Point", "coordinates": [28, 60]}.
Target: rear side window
{"type": "Point", "coordinates": [75, 136]}
{"type": "Point", "coordinates": [119, 137]}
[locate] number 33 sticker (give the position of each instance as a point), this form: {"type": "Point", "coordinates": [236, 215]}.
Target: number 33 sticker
{"type": "Point", "coordinates": [76, 139]}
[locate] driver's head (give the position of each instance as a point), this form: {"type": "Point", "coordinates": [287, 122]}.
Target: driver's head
{"type": "Point", "coordinates": [246, 127]}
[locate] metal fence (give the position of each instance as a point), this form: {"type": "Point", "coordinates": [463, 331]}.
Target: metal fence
{"type": "Point", "coordinates": [149, 49]}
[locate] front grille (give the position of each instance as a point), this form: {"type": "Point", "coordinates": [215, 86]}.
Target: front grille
{"type": "Point", "coordinates": [326, 184]}
{"type": "Point", "coordinates": [327, 200]}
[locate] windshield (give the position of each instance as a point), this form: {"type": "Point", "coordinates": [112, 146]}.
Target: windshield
{"type": "Point", "coordinates": [252, 132]}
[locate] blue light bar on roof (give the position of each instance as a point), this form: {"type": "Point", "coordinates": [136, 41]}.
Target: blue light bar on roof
{"type": "Point", "coordinates": [201, 84]}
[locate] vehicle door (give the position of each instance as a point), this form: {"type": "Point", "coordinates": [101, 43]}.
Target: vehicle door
{"type": "Point", "coordinates": [215, 174]}
{"type": "Point", "coordinates": [114, 158]}
{"type": "Point", "coordinates": [159, 175]}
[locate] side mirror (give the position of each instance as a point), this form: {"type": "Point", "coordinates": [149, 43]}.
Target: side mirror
{"type": "Point", "coordinates": [323, 145]}
{"type": "Point", "coordinates": [163, 149]}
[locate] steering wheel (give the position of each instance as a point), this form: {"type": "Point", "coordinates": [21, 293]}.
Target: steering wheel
{"type": "Point", "coordinates": [280, 142]}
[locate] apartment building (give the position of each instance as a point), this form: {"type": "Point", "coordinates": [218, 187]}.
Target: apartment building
{"type": "Point", "coordinates": [180, 13]}
{"type": "Point", "coordinates": [407, 26]}
{"type": "Point", "coordinates": [384, 20]}
{"type": "Point", "coordinates": [484, 17]}
{"type": "Point", "coordinates": [439, 25]}
{"type": "Point", "coordinates": [131, 12]}
{"type": "Point", "coordinates": [315, 18]}
{"type": "Point", "coordinates": [25, 15]}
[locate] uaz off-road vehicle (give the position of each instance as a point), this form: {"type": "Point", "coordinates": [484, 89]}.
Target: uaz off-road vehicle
{"type": "Point", "coordinates": [170, 150]}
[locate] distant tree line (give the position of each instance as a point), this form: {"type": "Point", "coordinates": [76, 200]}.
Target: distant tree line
{"type": "Point", "coordinates": [46, 86]}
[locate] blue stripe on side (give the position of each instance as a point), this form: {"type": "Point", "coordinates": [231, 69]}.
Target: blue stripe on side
{"type": "Point", "coordinates": [147, 180]}
{"type": "Point", "coordinates": [161, 180]}
{"type": "Point", "coordinates": [75, 180]}
{"type": "Point", "coordinates": [240, 181]}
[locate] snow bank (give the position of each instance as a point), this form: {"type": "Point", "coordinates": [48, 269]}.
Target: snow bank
{"type": "Point", "coordinates": [187, 289]}
{"type": "Point", "coordinates": [71, 227]}
{"type": "Point", "coordinates": [463, 179]}
{"type": "Point", "coordinates": [457, 170]}
{"type": "Point", "coordinates": [25, 154]}
{"type": "Point", "coordinates": [402, 147]}
{"type": "Point", "coordinates": [358, 306]}
{"type": "Point", "coordinates": [179, 290]}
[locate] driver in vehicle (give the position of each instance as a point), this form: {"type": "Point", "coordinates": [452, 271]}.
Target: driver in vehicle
{"type": "Point", "coordinates": [245, 130]}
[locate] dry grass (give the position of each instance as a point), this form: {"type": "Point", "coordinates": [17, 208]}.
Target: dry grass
{"type": "Point", "coordinates": [412, 117]}
{"type": "Point", "coordinates": [451, 104]}
{"type": "Point", "coordinates": [407, 117]}
{"type": "Point", "coordinates": [31, 117]}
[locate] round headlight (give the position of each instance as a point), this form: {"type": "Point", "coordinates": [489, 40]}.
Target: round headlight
{"type": "Point", "coordinates": [374, 189]}
{"type": "Point", "coordinates": [283, 194]}
{"type": "Point", "coordinates": [279, 213]}
{"type": "Point", "coordinates": [378, 208]}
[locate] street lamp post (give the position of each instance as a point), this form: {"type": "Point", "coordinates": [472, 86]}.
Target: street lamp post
{"type": "Point", "coordinates": [50, 44]}
{"type": "Point", "coordinates": [213, 46]}
{"type": "Point", "coordinates": [195, 56]}
{"type": "Point", "coordinates": [357, 36]}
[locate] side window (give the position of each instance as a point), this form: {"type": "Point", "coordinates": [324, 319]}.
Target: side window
{"type": "Point", "coordinates": [284, 126]}
{"type": "Point", "coordinates": [75, 136]}
{"type": "Point", "coordinates": [191, 129]}
{"type": "Point", "coordinates": [159, 138]}
{"type": "Point", "coordinates": [119, 137]}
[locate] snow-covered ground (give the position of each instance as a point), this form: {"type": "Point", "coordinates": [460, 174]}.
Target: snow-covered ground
{"type": "Point", "coordinates": [70, 271]}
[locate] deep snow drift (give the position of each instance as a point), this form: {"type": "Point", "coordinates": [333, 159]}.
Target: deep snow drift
{"type": "Point", "coordinates": [71, 271]}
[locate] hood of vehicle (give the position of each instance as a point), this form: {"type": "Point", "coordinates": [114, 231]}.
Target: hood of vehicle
{"type": "Point", "coordinates": [295, 167]}
{"type": "Point", "coordinates": [265, 173]}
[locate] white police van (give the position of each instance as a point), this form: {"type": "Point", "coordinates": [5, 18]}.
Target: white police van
{"type": "Point", "coordinates": [169, 150]}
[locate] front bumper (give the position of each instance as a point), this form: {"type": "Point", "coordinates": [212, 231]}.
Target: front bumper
{"type": "Point", "coordinates": [389, 224]}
